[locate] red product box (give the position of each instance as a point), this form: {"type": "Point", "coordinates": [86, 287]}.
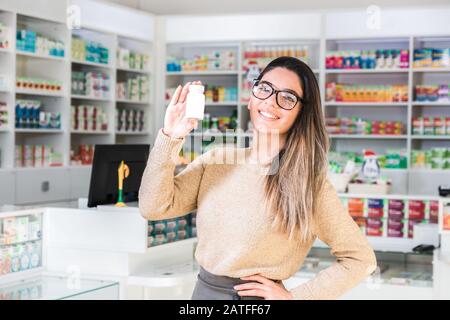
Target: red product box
{"type": "Point", "coordinates": [434, 211]}
{"type": "Point", "coordinates": [396, 204]}
{"type": "Point", "coordinates": [393, 213]}
{"type": "Point", "coordinates": [395, 233]}
{"type": "Point", "coordinates": [374, 223]}
{"type": "Point", "coordinates": [416, 214]}
{"type": "Point", "coordinates": [375, 212]}
{"type": "Point", "coordinates": [416, 205]}
{"type": "Point", "coordinates": [374, 232]}
{"type": "Point", "coordinates": [395, 224]}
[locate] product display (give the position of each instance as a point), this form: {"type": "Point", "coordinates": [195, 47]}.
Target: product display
{"type": "Point", "coordinates": [89, 118]}
{"type": "Point", "coordinates": [34, 84]}
{"type": "Point", "coordinates": [83, 154]}
{"type": "Point", "coordinates": [436, 158]}
{"type": "Point", "coordinates": [30, 41]}
{"type": "Point", "coordinates": [392, 159]}
{"type": "Point", "coordinates": [4, 36]}
{"type": "Point", "coordinates": [37, 156]}
{"type": "Point", "coordinates": [91, 84]}
{"type": "Point", "coordinates": [131, 60]}
{"type": "Point", "coordinates": [20, 243]}
{"type": "Point", "coordinates": [367, 59]}
{"type": "Point", "coordinates": [130, 120]}
{"type": "Point", "coordinates": [263, 55]}
{"type": "Point", "coordinates": [89, 51]}
{"type": "Point", "coordinates": [431, 57]}
{"type": "Point", "coordinates": [341, 92]}
{"type": "Point", "coordinates": [363, 126]}
{"type": "Point", "coordinates": [391, 217]}
{"type": "Point", "coordinates": [195, 102]}
{"type": "Point", "coordinates": [134, 89]}
{"type": "Point", "coordinates": [165, 231]}
{"type": "Point", "coordinates": [432, 93]}
{"type": "Point", "coordinates": [446, 218]}
{"type": "Point", "coordinates": [215, 60]}
{"type": "Point", "coordinates": [212, 94]}
{"type": "Point", "coordinates": [219, 124]}
{"type": "Point", "coordinates": [438, 126]}
{"type": "Point", "coordinates": [29, 114]}
{"type": "Point", "coordinates": [3, 115]}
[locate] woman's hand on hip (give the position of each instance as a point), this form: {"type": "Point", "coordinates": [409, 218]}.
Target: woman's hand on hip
{"type": "Point", "coordinates": [176, 125]}
{"type": "Point", "coordinates": [264, 288]}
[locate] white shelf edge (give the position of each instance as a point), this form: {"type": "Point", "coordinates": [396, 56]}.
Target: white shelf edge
{"type": "Point", "coordinates": [359, 71]}
{"type": "Point", "coordinates": [6, 50]}
{"type": "Point", "coordinates": [166, 246]}
{"type": "Point", "coordinates": [124, 133]}
{"type": "Point", "coordinates": [92, 64]}
{"type": "Point", "coordinates": [431, 137]}
{"type": "Point", "coordinates": [202, 73]}
{"type": "Point", "coordinates": [431, 69]}
{"type": "Point", "coordinates": [40, 56]}
{"type": "Point", "coordinates": [89, 132]}
{"type": "Point", "coordinates": [366, 104]}
{"type": "Point", "coordinates": [39, 93]}
{"type": "Point", "coordinates": [429, 103]}
{"type": "Point", "coordinates": [81, 97]}
{"type": "Point", "coordinates": [50, 131]}
{"type": "Point", "coordinates": [368, 136]}
{"type": "Point", "coordinates": [147, 72]}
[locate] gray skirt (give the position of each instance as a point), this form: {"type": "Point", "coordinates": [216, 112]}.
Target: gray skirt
{"type": "Point", "coordinates": [212, 287]}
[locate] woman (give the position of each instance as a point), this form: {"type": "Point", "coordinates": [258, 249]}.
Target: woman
{"type": "Point", "coordinates": [254, 230]}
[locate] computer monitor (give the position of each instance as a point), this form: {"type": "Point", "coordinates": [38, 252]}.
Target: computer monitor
{"type": "Point", "coordinates": [103, 188]}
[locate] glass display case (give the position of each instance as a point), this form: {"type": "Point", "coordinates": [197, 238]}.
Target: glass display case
{"type": "Point", "coordinates": [48, 287]}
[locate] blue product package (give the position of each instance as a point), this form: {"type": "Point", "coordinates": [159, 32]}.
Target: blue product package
{"type": "Point", "coordinates": [18, 115]}
{"type": "Point", "coordinates": [375, 203]}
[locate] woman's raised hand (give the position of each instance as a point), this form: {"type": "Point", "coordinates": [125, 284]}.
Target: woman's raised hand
{"type": "Point", "coordinates": [176, 125]}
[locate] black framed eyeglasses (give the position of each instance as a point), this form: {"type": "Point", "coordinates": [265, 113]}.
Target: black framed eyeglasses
{"type": "Point", "coordinates": [286, 99]}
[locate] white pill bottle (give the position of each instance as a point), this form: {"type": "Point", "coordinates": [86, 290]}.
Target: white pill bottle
{"type": "Point", "coordinates": [195, 105]}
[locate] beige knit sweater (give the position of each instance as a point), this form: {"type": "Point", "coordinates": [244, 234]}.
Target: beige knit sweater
{"type": "Point", "coordinates": [234, 234]}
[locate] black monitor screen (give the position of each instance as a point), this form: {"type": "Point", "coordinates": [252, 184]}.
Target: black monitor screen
{"type": "Point", "coordinates": [103, 188]}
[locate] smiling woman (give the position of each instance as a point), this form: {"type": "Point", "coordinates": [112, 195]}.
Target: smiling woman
{"type": "Point", "coordinates": [255, 230]}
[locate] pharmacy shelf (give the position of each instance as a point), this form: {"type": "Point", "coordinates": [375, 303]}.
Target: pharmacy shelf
{"type": "Point", "coordinates": [366, 104]}
{"type": "Point", "coordinates": [368, 136]}
{"type": "Point", "coordinates": [125, 133]}
{"type": "Point", "coordinates": [431, 69]}
{"type": "Point", "coordinates": [218, 104]}
{"type": "Point", "coordinates": [431, 104]}
{"type": "Point", "coordinates": [132, 101]}
{"type": "Point", "coordinates": [81, 97]}
{"type": "Point", "coordinates": [4, 129]}
{"type": "Point", "coordinates": [167, 246]}
{"type": "Point", "coordinates": [6, 50]}
{"type": "Point", "coordinates": [430, 137]}
{"type": "Point", "coordinates": [92, 64]}
{"type": "Point", "coordinates": [133, 70]}
{"type": "Point", "coordinates": [351, 71]}
{"type": "Point", "coordinates": [89, 132]}
{"type": "Point", "coordinates": [40, 56]}
{"type": "Point", "coordinates": [18, 130]}
{"type": "Point", "coordinates": [40, 93]}
{"type": "Point", "coordinates": [202, 73]}
{"type": "Point", "coordinates": [429, 170]}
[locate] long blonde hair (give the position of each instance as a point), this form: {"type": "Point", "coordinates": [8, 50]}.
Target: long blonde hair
{"type": "Point", "coordinates": [292, 191]}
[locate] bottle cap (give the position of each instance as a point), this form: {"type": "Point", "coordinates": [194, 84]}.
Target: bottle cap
{"type": "Point", "coordinates": [196, 88]}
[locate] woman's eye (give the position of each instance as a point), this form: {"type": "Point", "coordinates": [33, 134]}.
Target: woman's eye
{"type": "Point", "coordinates": [289, 98]}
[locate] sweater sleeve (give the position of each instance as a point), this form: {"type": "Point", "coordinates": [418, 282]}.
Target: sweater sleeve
{"type": "Point", "coordinates": [162, 195]}
{"type": "Point", "coordinates": [355, 259]}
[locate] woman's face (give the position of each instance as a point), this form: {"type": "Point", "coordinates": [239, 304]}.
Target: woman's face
{"type": "Point", "coordinates": [266, 115]}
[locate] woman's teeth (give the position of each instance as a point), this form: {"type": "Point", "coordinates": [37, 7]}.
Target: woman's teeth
{"type": "Point", "coordinates": [268, 115]}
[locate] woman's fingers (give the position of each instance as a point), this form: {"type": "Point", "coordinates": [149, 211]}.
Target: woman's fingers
{"type": "Point", "coordinates": [176, 96]}
{"type": "Point", "coordinates": [260, 279]}
{"type": "Point", "coordinates": [250, 286]}
{"type": "Point", "coordinates": [253, 293]}
{"type": "Point", "coordinates": [184, 92]}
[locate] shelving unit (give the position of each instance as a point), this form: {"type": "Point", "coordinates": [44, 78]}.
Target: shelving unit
{"type": "Point", "coordinates": [14, 62]}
